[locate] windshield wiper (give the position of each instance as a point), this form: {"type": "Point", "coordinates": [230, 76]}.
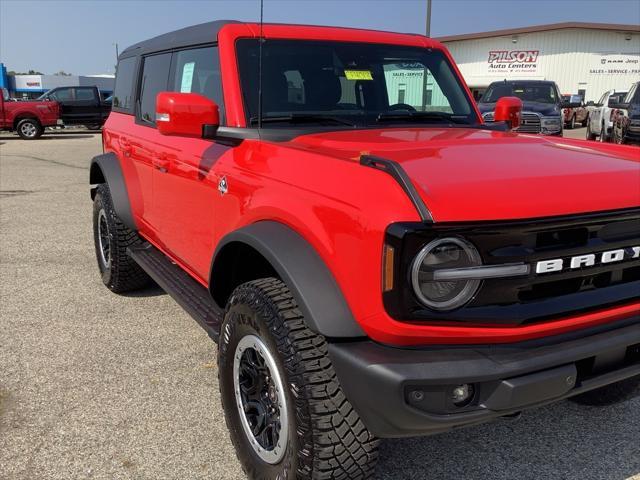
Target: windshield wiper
{"type": "Point", "coordinates": [302, 118]}
{"type": "Point", "coordinates": [404, 115]}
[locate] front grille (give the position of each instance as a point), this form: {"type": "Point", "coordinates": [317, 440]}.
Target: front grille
{"type": "Point", "coordinates": [539, 297]}
{"type": "Point", "coordinates": [530, 122]}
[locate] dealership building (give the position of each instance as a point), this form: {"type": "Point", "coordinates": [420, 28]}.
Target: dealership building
{"type": "Point", "coordinates": [32, 86]}
{"type": "Point", "coordinates": [582, 58]}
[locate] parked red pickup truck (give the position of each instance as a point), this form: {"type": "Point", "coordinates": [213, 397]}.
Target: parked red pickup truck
{"type": "Point", "coordinates": [373, 260]}
{"type": "Point", "coordinates": [28, 119]}
{"type": "Point", "coordinates": [576, 112]}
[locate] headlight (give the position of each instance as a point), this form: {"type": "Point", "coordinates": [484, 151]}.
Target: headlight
{"type": "Point", "coordinates": [550, 123]}
{"type": "Point", "coordinates": [444, 254]}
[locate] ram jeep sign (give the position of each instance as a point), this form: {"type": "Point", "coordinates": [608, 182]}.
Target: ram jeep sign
{"type": "Point", "coordinates": [509, 61]}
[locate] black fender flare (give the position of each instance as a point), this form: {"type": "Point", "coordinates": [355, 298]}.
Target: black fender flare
{"type": "Point", "coordinates": [106, 168]}
{"type": "Point", "coordinates": [300, 267]}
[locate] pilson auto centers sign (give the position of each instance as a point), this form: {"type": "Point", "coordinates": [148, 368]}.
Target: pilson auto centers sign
{"type": "Point", "coordinates": [512, 61]}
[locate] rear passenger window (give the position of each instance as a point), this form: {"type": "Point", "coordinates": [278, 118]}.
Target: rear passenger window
{"type": "Point", "coordinates": [155, 73]}
{"type": "Point", "coordinates": [123, 92]}
{"type": "Point", "coordinates": [197, 70]}
{"type": "Point", "coordinates": [62, 95]}
{"type": "Point", "coordinates": [85, 94]}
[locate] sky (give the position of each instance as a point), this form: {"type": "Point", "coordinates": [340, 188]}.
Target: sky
{"type": "Point", "coordinates": [78, 36]}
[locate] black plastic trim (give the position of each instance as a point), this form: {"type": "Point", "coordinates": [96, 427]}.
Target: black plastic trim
{"type": "Point", "coordinates": [376, 379]}
{"type": "Point", "coordinates": [399, 175]}
{"type": "Point", "coordinates": [305, 273]}
{"type": "Point", "coordinates": [108, 167]}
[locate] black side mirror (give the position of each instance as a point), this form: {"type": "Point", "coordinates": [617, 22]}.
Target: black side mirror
{"type": "Point", "coordinates": [590, 103]}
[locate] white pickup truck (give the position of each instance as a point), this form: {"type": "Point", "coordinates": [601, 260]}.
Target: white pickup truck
{"type": "Point", "coordinates": [599, 124]}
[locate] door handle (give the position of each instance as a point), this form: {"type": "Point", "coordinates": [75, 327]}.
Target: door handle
{"type": "Point", "coordinates": [161, 162]}
{"type": "Point", "coordinates": [126, 148]}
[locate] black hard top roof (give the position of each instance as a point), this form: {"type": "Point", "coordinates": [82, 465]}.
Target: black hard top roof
{"type": "Point", "coordinates": [194, 35]}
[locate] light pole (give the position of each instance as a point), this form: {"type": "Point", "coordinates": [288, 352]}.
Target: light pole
{"type": "Point", "coordinates": [428, 26]}
{"type": "Point", "coordinates": [117, 54]}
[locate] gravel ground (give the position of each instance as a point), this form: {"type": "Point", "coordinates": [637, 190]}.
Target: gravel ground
{"type": "Point", "coordinates": [99, 386]}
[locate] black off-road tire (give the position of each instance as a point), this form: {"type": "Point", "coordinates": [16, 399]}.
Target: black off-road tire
{"type": "Point", "coordinates": [585, 122]}
{"type": "Point", "coordinates": [29, 129]}
{"type": "Point", "coordinates": [611, 394]}
{"type": "Point", "coordinates": [590, 135]}
{"type": "Point", "coordinates": [326, 439]}
{"type": "Point", "coordinates": [120, 273]}
{"type": "Point", "coordinates": [572, 122]}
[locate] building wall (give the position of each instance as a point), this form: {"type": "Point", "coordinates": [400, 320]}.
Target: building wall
{"type": "Point", "coordinates": [32, 86]}
{"type": "Point", "coordinates": [576, 59]}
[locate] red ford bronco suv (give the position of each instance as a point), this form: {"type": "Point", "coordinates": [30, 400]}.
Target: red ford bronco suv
{"type": "Point", "coordinates": [373, 260]}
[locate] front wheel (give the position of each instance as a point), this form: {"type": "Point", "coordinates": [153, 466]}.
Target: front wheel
{"type": "Point", "coordinates": [611, 394]}
{"type": "Point", "coordinates": [285, 409]}
{"type": "Point", "coordinates": [590, 134]}
{"type": "Point", "coordinates": [572, 122]}
{"type": "Point", "coordinates": [29, 129]}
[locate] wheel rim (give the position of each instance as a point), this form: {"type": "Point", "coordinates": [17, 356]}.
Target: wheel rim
{"type": "Point", "coordinates": [260, 399]}
{"type": "Point", "coordinates": [28, 129]}
{"type": "Point", "coordinates": [104, 239]}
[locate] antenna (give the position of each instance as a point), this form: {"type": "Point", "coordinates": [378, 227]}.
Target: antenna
{"type": "Point", "coordinates": [261, 41]}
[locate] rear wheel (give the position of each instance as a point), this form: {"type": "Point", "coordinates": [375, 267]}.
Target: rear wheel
{"type": "Point", "coordinates": [29, 129]}
{"type": "Point", "coordinates": [572, 122]}
{"type": "Point", "coordinates": [585, 122]}
{"type": "Point", "coordinates": [284, 407]}
{"type": "Point", "coordinates": [112, 238]}
{"type": "Point", "coordinates": [611, 394]}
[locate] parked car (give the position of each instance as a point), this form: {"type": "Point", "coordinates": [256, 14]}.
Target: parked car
{"type": "Point", "coordinates": [599, 124]}
{"type": "Point", "coordinates": [80, 105]}
{"type": "Point", "coordinates": [371, 263]}
{"type": "Point", "coordinates": [626, 117]}
{"type": "Point", "coordinates": [542, 111]}
{"type": "Point", "coordinates": [577, 114]}
{"type": "Point", "coordinates": [27, 119]}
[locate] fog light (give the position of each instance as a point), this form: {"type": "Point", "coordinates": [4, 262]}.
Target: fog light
{"type": "Point", "coordinates": [462, 395]}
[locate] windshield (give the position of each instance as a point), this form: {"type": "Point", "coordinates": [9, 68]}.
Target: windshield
{"type": "Point", "coordinates": [527, 92]}
{"type": "Point", "coordinates": [350, 83]}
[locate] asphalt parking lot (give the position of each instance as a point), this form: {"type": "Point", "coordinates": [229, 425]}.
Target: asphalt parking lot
{"type": "Point", "coordinates": [99, 386]}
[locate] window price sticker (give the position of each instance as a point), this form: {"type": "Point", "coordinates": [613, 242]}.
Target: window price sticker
{"type": "Point", "coordinates": [187, 77]}
{"type": "Point", "coordinates": [358, 74]}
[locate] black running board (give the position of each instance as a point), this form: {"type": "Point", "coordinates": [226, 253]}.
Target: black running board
{"type": "Point", "coordinates": [189, 294]}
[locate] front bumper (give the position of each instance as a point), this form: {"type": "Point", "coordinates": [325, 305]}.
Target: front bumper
{"type": "Point", "coordinates": [381, 382]}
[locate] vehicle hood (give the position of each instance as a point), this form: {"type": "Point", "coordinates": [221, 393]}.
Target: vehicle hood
{"type": "Point", "coordinates": [467, 174]}
{"type": "Point", "coordinates": [544, 109]}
